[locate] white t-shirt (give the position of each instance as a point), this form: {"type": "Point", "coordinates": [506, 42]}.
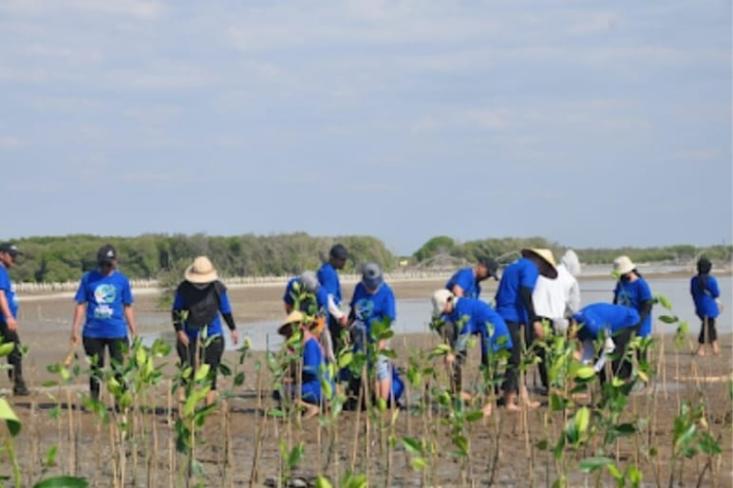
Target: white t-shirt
{"type": "Point", "coordinates": [554, 299]}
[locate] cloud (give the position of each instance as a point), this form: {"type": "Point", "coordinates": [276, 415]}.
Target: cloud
{"type": "Point", "coordinates": [141, 9]}
{"type": "Point", "coordinates": [9, 142]}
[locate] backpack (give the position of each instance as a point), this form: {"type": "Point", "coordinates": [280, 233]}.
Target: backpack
{"type": "Point", "coordinates": [202, 304]}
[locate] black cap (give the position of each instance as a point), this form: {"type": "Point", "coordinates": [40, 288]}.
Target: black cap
{"type": "Point", "coordinates": [106, 254]}
{"type": "Point", "coordinates": [338, 251]}
{"type": "Point", "coordinates": [491, 265]}
{"type": "Point", "coordinates": [10, 248]}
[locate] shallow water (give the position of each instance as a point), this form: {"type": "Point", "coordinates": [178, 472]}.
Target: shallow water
{"type": "Point", "coordinates": [413, 316]}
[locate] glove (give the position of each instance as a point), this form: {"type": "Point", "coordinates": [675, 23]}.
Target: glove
{"type": "Point", "coordinates": [608, 345]}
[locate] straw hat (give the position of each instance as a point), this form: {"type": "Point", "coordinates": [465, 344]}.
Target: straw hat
{"type": "Point", "coordinates": [295, 317]}
{"type": "Point", "coordinates": [549, 269]}
{"type": "Point", "coordinates": [440, 299]}
{"type": "Point", "coordinates": [623, 265]}
{"type": "Point", "coordinates": [201, 271]}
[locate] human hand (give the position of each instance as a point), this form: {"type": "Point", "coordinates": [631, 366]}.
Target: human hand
{"type": "Point", "coordinates": [11, 323]}
{"type": "Point", "coordinates": [343, 321]}
{"type": "Point", "coordinates": [183, 338]}
{"type": "Point", "coordinates": [235, 336]}
{"type": "Point", "coordinates": [539, 331]}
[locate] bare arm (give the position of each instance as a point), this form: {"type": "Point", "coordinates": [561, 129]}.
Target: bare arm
{"type": "Point", "coordinates": [79, 312]}
{"type": "Point", "coordinates": [457, 291]}
{"type": "Point", "coordinates": [130, 318]}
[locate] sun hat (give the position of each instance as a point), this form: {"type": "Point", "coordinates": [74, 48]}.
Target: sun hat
{"type": "Point", "coordinates": [440, 299]}
{"type": "Point", "coordinates": [371, 276]}
{"type": "Point", "coordinates": [294, 317]}
{"type": "Point", "coordinates": [11, 249]}
{"type": "Point", "coordinates": [545, 255]}
{"type": "Point", "coordinates": [492, 267]}
{"type": "Point", "coordinates": [623, 265]}
{"type": "Point", "coordinates": [106, 254]}
{"type": "Point", "coordinates": [201, 271]}
{"type": "Point", "coordinates": [309, 280]}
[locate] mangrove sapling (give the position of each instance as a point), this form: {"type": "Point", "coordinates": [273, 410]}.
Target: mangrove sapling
{"type": "Point", "coordinates": [690, 436]}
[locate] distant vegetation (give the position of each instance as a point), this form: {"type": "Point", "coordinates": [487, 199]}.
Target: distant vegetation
{"type": "Point", "coordinates": [55, 259]}
{"type": "Point", "coordinates": [470, 250]}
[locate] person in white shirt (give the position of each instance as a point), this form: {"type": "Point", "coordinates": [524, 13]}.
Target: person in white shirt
{"type": "Point", "coordinates": [557, 300]}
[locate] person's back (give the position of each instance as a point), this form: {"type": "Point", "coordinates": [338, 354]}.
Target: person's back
{"type": "Point", "coordinates": [520, 274]}
{"type": "Point", "coordinates": [466, 280]}
{"type": "Point", "coordinates": [559, 298]}
{"type": "Point", "coordinates": [606, 316]}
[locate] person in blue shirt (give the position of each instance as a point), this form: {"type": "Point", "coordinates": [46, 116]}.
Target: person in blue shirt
{"type": "Point", "coordinates": [705, 292]}
{"type": "Point", "coordinates": [514, 303]}
{"type": "Point", "coordinates": [616, 324]}
{"type": "Point", "coordinates": [314, 371]}
{"type": "Point", "coordinates": [9, 316]}
{"type": "Point", "coordinates": [633, 291]}
{"type": "Point", "coordinates": [472, 317]}
{"type": "Point", "coordinates": [200, 302]}
{"type": "Point", "coordinates": [374, 302]}
{"type": "Point", "coordinates": [104, 306]}
{"type": "Point", "coordinates": [313, 300]}
{"type": "Point", "coordinates": [328, 277]}
{"type": "Point", "coordinates": [466, 282]}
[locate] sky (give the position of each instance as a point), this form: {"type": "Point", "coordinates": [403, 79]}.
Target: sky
{"type": "Point", "coordinates": [589, 123]}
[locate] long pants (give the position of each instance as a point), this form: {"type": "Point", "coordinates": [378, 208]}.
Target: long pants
{"type": "Point", "coordinates": [94, 349]}
{"type": "Point", "coordinates": [711, 334]}
{"type": "Point", "coordinates": [210, 355]}
{"type": "Point", "coordinates": [15, 358]}
{"type": "Point", "coordinates": [511, 381]}
{"type": "Point", "coordinates": [621, 366]}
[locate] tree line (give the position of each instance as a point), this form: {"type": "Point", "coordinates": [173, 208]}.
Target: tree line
{"type": "Point", "coordinates": [155, 256]}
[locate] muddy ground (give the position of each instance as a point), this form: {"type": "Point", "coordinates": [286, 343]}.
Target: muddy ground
{"type": "Point", "coordinates": [84, 443]}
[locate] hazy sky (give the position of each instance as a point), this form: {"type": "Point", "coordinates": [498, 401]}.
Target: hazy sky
{"type": "Point", "coordinates": [590, 123]}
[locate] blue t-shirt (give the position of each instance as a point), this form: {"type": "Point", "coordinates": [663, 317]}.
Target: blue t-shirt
{"type": "Point", "coordinates": [329, 279]}
{"type": "Point", "coordinates": [634, 294]}
{"type": "Point", "coordinates": [704, 296]}
{"type": "Point", "coordinates": [368, 308]}
{"type": "Point", "coordinates": [477, 315]}
{"type": "Point", "coordinates": [522, 273]}
{"type": "Point", "coordinates": [466, 279]}
{"type": "Point", "coordinates": [106, 298]}
{"type": "Point", "coordinates": [321, 297]}
{"type": "Point", "coordinates": [605, 316]}
{"type": "Point", "coordinates": [314, 369]}
{"type": "Point", "coordinates": [212, 329]}
{"type": "Point", "coordinates": [7, 286]}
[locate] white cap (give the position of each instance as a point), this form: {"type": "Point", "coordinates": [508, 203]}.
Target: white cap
{"type": "Point", "coordinates": [623, 265]}
{"type": "Point", "coordinates": [440, 299]}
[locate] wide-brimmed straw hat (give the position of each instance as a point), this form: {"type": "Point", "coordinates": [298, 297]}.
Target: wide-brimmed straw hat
{"type": "Point", "coordinates": [201, 271]}
{"type": "Point", "coordinates": [623, 265]}
{"type": "Point", "coordinates": [295, 317]}
{"type": "Point", "coordinates": [548, 266]}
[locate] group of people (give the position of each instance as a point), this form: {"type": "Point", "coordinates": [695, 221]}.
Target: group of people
{"type": "Point", "coordinates": [535, 296]}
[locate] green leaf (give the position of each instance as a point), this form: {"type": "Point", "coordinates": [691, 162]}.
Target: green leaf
{"type": "Point", "coordinates": [345, 359]}
{"type": "Point", "coordinates": [323, 482]}
{"type": "Point", "coordinates": [412, 445]}
{"type": "Point", "coordinates": [62, 482]}
{"type": "Point", "coordinates": [709, 445]}
{"type": "Point", "coordinates": [582, 420]}
{"type": "Point", "coordinates": [296, 454]}
{"type": "Point", "coordinates": [418, 463]}
{"type": "Point", "coordinates": [8, 415]}
{"type": "Point", "coordinates": [634, 476]}
{"type": "Point", "coordinates": [239, 379]}
{"type": "Point", "coordinates": [474, 416]}
{"type": "Point", "coordinates": [669, 319]}
{"type": "Point", "coordinates": [624, 429]}
{"type": "Point", "coordinates": [585, 372]}
{"type": "Point", "coordinates": [202, 372]}
{"type": "Point", "coordinates": [6, 348]}
{"type": "Point", "coordinates": [590, 464]}
{"type": "Point", "coordinates": [50, 458]}
{"type": "Point", "coordinates": [663, 301]}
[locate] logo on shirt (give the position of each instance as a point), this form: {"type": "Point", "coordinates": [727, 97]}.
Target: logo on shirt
{"type": "Point", "coordinates": [104, 295]}
{"type": "Point", "coordinates": [364, 309]}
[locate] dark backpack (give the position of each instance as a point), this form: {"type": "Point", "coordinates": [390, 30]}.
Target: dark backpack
{"type": "Point", "coordinates": [202, 304]}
